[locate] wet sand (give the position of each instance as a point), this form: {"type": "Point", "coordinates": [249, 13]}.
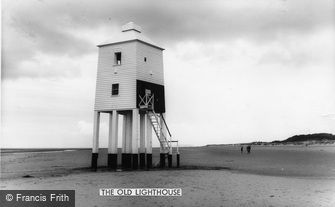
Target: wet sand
{"type": "Point", "coordinates": [311, 161]}
{"type": "Point", "coordinates": [269, 176]}
{"type": "Point", "coordinates": [199, 188]}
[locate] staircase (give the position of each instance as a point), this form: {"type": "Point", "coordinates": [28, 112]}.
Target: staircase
{"type": "Point", "coordinates": [158, 122]}
{"type": "Point", "coordinates": [155, 120]}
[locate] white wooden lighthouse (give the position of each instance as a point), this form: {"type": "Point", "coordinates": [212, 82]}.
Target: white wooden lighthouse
{"type": "Point", "coordinates": [130, 83]}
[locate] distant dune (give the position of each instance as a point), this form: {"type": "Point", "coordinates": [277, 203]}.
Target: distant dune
{"type": "Point", "coordinates": [303, 139]}
{"type": "Point", "coordinates": [311, 137]}
{"type": "Point", "coordinates": [319, 138]}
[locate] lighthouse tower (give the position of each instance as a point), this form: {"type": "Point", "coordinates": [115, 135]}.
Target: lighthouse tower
{"type": "Point", "coordinates": [130, 83]}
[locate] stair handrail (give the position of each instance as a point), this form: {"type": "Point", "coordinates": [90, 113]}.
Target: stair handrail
{"type": "Point", "coordinates": [165, 139]}
{"type": "Point", "coordinates": [166, 125]}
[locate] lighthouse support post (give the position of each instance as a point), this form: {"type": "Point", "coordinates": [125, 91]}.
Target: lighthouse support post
{"type": "Point", "coordinates": [95, 148]}
{"type": "Point", "coordinates": [134, 137]}
{"type": "Point", "coordinates": [148, 142]}
{"type": "Point", "coordinates": [163, 152]}
{"type": "Point", "coordinates": [113, 140]}
{"type": "Point", "coordinates": [142, 139]}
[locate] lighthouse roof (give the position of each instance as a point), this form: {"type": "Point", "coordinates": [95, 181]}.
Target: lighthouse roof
{"type": "Point", "coordinates": [130, 32]}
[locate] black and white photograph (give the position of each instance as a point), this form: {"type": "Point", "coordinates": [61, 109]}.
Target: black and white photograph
{"type": "Point", "coordinates": [167, 103]}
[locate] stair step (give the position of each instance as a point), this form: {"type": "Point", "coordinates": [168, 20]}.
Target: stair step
{"type": "Point", "coordinates": [155, 122]}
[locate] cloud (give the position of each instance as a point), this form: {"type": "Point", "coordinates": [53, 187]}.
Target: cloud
{"type": "Point", "coordinates": [329, 116]}
{"type": "Point", "coordinates": [85, 128]}
{"type": "Point", "coordinates": [300, 50]}
{"type": "Point", "coordinates": [234, 95]}
{"type": "Point", "coordinates": [29, 34]}
{"type": "Point", "coordinates": [58, 28]}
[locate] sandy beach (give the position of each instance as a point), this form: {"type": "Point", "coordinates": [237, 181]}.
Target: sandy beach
{"type": "Point", "coordinates": [213, 176]}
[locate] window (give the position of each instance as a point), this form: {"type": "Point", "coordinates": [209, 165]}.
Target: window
{"type": "Point", "coordinates": [115, 89]}
{"type": "Point", "coordinates": [117, 57]}
{"type": "Point", "coordinates": [147, 92]}
{"type": "Point", "coordinates": [145, 59]}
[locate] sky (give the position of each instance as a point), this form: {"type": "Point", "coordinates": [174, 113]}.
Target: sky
{"type": "Point", "coordinates": [235, 71]}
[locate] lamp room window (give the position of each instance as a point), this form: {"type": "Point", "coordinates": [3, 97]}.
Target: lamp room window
{"type": "Point", "coordinates": [117, 58]}
{"type": "Point", "coordinates": [115, 89]}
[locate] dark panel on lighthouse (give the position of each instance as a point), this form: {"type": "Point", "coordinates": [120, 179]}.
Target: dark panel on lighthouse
{"type": "Point", "coordinates": [156, 89]}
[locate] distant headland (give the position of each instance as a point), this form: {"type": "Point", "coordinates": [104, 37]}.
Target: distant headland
{"type": "Point", "coordinates": [303, 139]}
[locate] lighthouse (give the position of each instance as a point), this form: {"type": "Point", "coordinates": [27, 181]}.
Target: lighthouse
{"type": "Point", "coordinates": [130, 84]}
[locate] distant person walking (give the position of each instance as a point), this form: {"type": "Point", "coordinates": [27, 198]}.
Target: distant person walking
{"type": "Point", "coordinates": [241, 149]}
{"type": "Point", "coordinates": [248, 149]}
